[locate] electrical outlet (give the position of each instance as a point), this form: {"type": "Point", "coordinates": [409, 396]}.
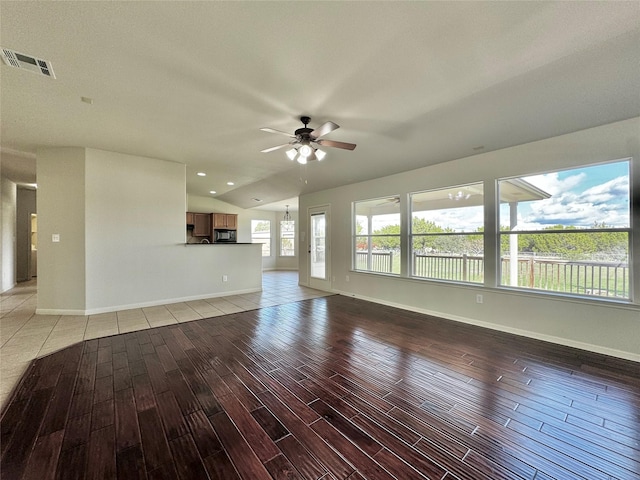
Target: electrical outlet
{"type": "Point", "coordinates": [347, 278]}
{"type": "Point", "coordinates": [479, 299]}
{"type": "Point", "coordinates": [55, 237]}
{"type": "Point", "coordinates": [225, 278]}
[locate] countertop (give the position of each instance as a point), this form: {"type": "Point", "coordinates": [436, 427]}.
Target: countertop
{"type": "Point", "coordinates": [223, 243]}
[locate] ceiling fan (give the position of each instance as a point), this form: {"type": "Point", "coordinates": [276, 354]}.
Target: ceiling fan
{"type": "Point", "coordinates": [305, 141]}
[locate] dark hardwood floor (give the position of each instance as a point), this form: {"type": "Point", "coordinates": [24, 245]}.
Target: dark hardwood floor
{"type": "Point", "coordinates": [330, 388]}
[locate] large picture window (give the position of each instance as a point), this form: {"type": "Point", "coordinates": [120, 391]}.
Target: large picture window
{"type": "Point", "coordinates": [567, 231]}
{"type": "Point", "coordinates": [261, 233]}
{"type": "Point", "coordinates": [447, 233]}
{"type": "Point", "coordinates": [287, 238]}
{"type": "Point", "coordinates": [377, 235]}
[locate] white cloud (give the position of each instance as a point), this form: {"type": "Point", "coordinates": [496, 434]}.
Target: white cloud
{"type": "Point", "coordinates": [459, 219]}
{"type": "Point", "coordinates": [604, 203]}
{"type": "Point", "coordinates": [552, 184]}
{"type": "Point", "coordinates": [608, 191]}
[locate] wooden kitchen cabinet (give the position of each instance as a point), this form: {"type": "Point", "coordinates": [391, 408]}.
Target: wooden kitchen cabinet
{"type": "Point", "coordinates": [202, 225]}
{"type": "Point", "coordinates": [190, 220]}
{"type": "Point", "coordinates": [225, 220]}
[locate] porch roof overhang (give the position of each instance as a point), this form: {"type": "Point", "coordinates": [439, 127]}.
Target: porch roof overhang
{"type": "Point", "coordinates": [513, 190]}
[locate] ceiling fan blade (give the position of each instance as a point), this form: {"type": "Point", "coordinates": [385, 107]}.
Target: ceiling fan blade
{"type": "Point", "coordinates": [333, 143]}
{"type": "Point", "coordinates": [267, 150]}
{"type": "Point", "coordinates": [323, 129]}
{"type": "Point", "coordinates": [279, 132]}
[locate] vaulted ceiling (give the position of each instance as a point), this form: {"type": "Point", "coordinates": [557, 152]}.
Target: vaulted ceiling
{"type": "Point", "coordinates": [411, 83]}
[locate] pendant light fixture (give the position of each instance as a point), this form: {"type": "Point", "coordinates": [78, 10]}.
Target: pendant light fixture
{"type": "Point", "coordinates": [287, 215]}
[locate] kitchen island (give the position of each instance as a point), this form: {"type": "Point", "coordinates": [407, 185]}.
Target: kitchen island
{"type": "Point", "coordinates": [223, 269]}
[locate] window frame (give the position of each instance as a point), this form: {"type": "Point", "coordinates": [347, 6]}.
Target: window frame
{"type": "Point", "coordinates": [292, 238]}
{"type": "Point", "coordinates": [369, 240]}
{"type": "Point", "coordinates": [492, 236]}
{"type": "Point", "coordinates": [576, 262]}
{"type": "Point", "coordinates": [470, 264]}
{"type": "Point", "coordinates": [267, 243]}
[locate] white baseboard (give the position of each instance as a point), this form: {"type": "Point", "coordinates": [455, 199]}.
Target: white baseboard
{"type": "Point", "coordinates": [516, 331]}
{"type": "Point", "coordinates": [166, 301]}
{"type": "Point", "coordinates": [59, 311]}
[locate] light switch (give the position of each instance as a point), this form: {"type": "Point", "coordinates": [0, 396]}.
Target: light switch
{"type": "Point", "coordinates": [55, 237]}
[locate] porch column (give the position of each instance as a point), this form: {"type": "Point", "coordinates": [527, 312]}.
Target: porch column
{"type": "Point", "coordinates": [513, 245]}
{"type": "Point", "coordinates": [369, 242]}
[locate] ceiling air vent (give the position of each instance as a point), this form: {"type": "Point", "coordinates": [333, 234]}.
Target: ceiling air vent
{"type": "Point", "coordinates": [27, 62]}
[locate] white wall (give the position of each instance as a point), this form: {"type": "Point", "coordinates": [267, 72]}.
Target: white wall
{"type": "Point", "coordinates": [8, 194]}
{"type": "Point", "coordinates": [61, 265]}
{"type": "Point", "coordinates": [599, 326]}
{"type": "Point", "coordinates": [134, 217]}
{"type": "Point", "coordinates": [121, 221]}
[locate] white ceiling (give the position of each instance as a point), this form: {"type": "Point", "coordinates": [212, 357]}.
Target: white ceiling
{"type": "Point", "coordinates": [412, 83]}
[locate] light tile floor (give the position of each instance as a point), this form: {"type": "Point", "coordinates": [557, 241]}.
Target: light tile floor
{"type": "Point", "coordinates": [24, 335]}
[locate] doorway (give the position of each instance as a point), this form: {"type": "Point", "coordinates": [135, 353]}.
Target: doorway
{"type": "Point", "coordinates": [320, 248]}
{"type": "Point", "coordinates": [33, 255]}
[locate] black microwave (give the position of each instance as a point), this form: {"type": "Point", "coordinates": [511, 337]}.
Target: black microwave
{"type": "Point", "coordinates": [224, 236]}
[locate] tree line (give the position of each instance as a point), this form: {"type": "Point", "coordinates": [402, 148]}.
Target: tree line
{"type": "Point", "coordinates": [567, 242]}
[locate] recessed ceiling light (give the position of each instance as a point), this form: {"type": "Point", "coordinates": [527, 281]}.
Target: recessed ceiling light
{"type": "Point", "coordinates": [212, 192]}
{"type": "Point", "coordinates": [231, 184]}
{"type": "Point", "coordinates": [201, 174]}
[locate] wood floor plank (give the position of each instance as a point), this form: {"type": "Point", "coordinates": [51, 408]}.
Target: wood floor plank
{"type": "Point", "coordinates": [154, 442]}
{"type": "Point", "coordinates": [186, 458]}
{"type": "Point", "coordinates": [368, 467]}
{"type": "Point", "coordinates": [219, 467]}
{"type": "Point", "coordinates": [376, 392]}
{"type": "Point", "coordinates": [205, 437]}
{"type": "Point", "coordinates": [172, 418]}
{"type": "Point", "coordinates": [17, 453]}
{"type": "Point", "coordinates": [72, 463]}
{"type": "Point", "coordinates": [263, 447]}
{"type": "Point", "coordinates": [244, 460]}
{"type": "Point", "coordinates": [424, 464]}
{"type": "Point", "coordinates": [365, 442]}
{"type": "Point", "coordinates": [270, 424]}
{"type": "Point", "coordinates": [126, 418]}
{"type": "Point", "coordinates": [102, 454]}
{"type": "Point", "coordinates": [331, 460]}
{"type": "Point", "coordinates": [130, 464]}
{"type": "Point", "coordinates": [281, 469]}
{"type": "Point", "coordinates": [44, 458]}
{"type": "Point", "coordinates": [306, 464]}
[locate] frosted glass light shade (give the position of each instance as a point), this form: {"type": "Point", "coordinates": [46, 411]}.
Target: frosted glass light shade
{"type": "Point", "coordinates": [292, 153]}
{"type": "Point", "coordinates": [305, 150]}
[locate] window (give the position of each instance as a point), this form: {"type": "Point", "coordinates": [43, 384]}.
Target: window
{"type": "Point", "coordinates": [447, 241]}
{"type": "Point", "coordinates": [261, 233]}
{"type": "Point", "coordinates": [377, 235]}
{"type": "Point", "coordinates": [567, 231]}
{"type": "Point", "coordinates": [287, 238]}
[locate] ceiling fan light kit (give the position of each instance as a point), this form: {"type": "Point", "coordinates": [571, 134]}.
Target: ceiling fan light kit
{"type": "Point", "coordinates": [305, 140]}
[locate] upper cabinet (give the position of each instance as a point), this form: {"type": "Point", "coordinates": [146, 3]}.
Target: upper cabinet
{"type": "Point", "coordinates": [190, 220]}
{"type": "Point", "coordinates": [201, 224]}
{"type": "Point", "coordinates": [225, 220]}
